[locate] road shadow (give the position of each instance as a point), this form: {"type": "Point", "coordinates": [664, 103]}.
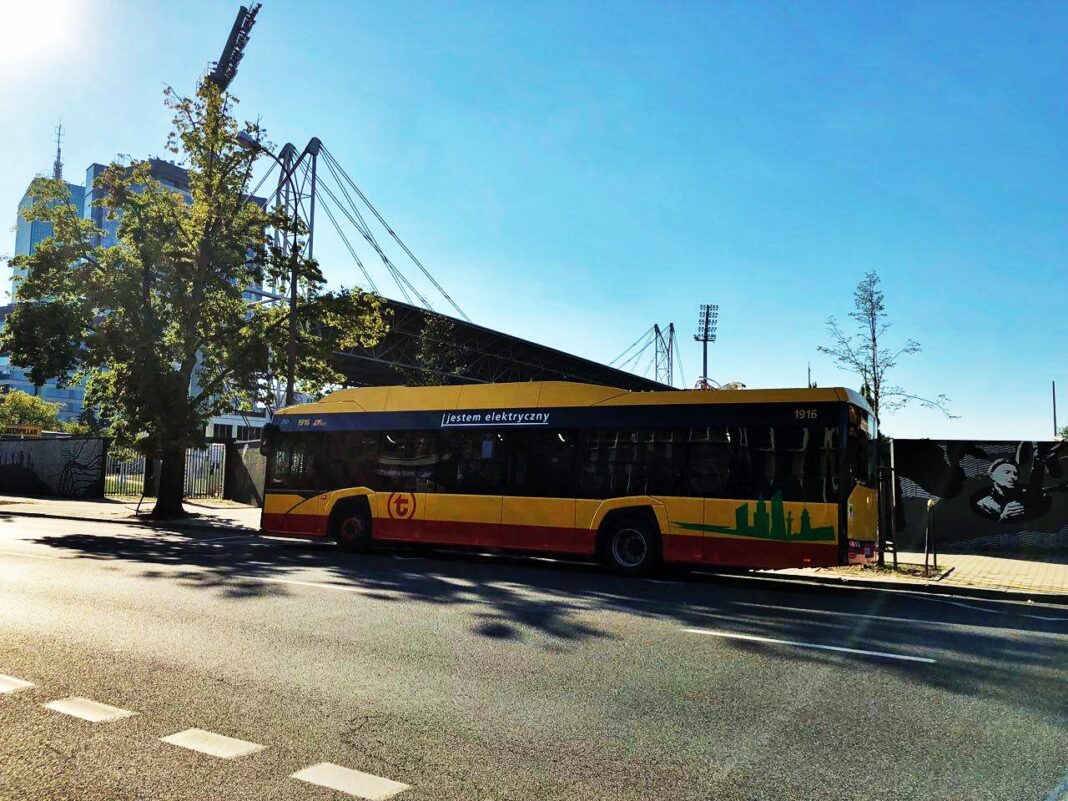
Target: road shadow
{"type": "Point", "coordinates": [537, 602]}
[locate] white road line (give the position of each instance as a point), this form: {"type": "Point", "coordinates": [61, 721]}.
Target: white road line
{"type": "Point", "coordinates": [996, 611]}
{"type": "Point", "coordinates": [848, 614]}
{"type": "Point", "coordinates": [752, 637]}
{"type": "Point", "coordinates": [9, 684]}
{"type": "Point", "coordinates": [93, 711]}
{"type": "Point", "coordinates": [353, 782]}
{"type": "Point", "coordinates": [215, 745]}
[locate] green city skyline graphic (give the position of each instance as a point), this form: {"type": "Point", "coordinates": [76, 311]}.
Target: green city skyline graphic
{"type": "Point", "coordinates": [776, 523]}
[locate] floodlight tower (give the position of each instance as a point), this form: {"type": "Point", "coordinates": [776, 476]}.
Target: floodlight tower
{"type": "Point", "coordinates": [707, 323]}
{"type": "Point", "coordinates": [225, 68]}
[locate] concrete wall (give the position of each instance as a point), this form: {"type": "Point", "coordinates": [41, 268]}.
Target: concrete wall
{"type": "Point", "coordinates": [245, 470]}
{"type": "Point", "coordinates": [998, 497]}
{"type": "Point", "coordinates": [68, 468]}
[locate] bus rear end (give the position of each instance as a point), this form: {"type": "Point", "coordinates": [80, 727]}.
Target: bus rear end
{"type": "Point", "coordinates": [862, 504]}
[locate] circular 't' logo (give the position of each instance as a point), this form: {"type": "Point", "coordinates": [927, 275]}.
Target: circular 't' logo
{"type": "Point", "coordinates": [401, 505]}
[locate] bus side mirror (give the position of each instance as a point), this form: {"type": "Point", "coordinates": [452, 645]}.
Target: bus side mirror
{"type": "Point", "coordinates": [267, 437]}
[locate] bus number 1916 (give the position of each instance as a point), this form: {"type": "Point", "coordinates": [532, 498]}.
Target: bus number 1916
{"type": "Point", "coordinates": [805, 414]}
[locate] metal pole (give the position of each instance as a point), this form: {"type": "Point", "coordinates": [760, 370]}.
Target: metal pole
{"type": "Point", "coordinates": [1056, 431]}
{"type": "Point", "coordinates": [291, 344]}
{"type": "Point", "coordinates": [704, 360]}
{"type": "Point", "coordinates": [311, 215]}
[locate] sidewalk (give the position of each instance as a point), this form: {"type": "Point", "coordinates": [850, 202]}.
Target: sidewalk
{"type": "Point", "coordinates": [1046, 576]}
{"type": "Point", "coordinates": [202, 513]}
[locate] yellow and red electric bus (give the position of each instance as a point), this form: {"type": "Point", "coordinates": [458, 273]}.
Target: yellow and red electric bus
{"type": "Point", "coordinates": [748, 478]}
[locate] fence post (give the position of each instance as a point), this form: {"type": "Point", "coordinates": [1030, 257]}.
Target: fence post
{"type": "Point", "coordinates": [102, 488]}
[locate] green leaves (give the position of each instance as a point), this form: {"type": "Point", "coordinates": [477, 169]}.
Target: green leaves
{"type": "Point", "coordinates": [157, 324]}
{"type": "Point", "coordinates": [20, 408]}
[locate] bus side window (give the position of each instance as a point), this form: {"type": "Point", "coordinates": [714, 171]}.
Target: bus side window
{"type": "Point", "coordinates": [708, 470]}
{"type": "Point", "coordinates": [348, 459]}
{"type": "Point", "coordinates": [596, 450]}
{"type": "Point", "coordinates": [479, 460]}
{"type": "Point", "coordinates": [407, 461]}
{"type": "Point", "coordinates": [541, 463]}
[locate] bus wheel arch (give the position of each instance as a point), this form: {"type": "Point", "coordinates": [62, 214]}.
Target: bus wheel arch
{"type": "Point", "coordinates": [629, 541]}
{"type": "Point", "coordinates": [350, 524]}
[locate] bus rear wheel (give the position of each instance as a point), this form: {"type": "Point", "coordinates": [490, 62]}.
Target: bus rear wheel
{"type": "Point", "coordinates": [630, 546]}
{"type": "Point", "coordinates": [354, 533]}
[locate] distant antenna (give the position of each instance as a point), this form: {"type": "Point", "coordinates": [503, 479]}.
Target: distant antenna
{"type": "Point", "coordinates": [226, 67]}
{"type": "Point", "coordinates": [57, 165]}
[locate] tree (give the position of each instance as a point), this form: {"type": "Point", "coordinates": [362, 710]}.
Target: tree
{"type": "Point", "coordinates": [157, 323]}
{"type": "Point", "coordinates": [21, 408]}
{"type": "Point", "coordinates": [326, 322]}
{"type": "Point", "coordinates": [864, 353]}
{"type": "Point", "coordinates": [437, 356]}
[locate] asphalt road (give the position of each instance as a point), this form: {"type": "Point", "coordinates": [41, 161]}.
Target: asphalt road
{"type": "Point", "coordinates": [481, 677]}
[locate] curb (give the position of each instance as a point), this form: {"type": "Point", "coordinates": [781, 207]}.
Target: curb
{"type": "Point", "coordinates": [183, 524]}
{"type": "Point", "coordinates": [925, 588]}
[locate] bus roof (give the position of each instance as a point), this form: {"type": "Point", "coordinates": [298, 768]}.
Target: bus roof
{"type": "Point", "coordinates": [550, 394]}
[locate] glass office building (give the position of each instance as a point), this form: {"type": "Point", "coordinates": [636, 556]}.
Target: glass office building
{"type": "Point", "coordinates": [28, 234]}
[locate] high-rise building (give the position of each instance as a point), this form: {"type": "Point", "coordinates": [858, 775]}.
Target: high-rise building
{"type": "Point", "coordinates": [28, 234]}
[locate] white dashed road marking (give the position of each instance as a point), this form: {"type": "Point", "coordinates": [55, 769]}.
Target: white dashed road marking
{"type": "Point", "coordinates": [93, 711]}
{"type": "Point", "coordinates": [753, 638]}
{"type": "Point", "coordinates": [9, 684]}
{"type": "Point", "coordinates": [353, 782]}
{"type": "Point", "coordinates": [215, 745]}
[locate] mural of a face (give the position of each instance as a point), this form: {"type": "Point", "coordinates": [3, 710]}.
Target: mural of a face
{"type": "Point", "coordinates": [1005, 475]}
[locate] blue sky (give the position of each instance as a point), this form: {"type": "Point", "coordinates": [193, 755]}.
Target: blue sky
{"type": "Point", "coordinates": [574, 172]}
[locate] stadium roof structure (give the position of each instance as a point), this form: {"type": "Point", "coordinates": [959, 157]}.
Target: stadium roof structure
{"type": "Point", "coordinates": [487, 356]}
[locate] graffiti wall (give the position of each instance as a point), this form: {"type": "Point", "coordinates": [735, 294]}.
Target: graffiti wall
{"type": "Point", "coordinates": [1004, 497]}
{"type": "Point", "coordinates": [69, 468]}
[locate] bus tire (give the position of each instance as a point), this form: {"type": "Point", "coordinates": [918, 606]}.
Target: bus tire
{"type": "Point", "coordinates": [353, 532]}
{"type": "Point", "coordinates": [629, 545]}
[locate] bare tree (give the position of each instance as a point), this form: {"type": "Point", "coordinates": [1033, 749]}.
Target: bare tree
{"type": "Point", "coordinates": [864, 353]}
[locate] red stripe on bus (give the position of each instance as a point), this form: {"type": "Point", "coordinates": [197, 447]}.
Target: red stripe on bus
{"type": "Point", "coordinates": [723, 551]}
{"type": "Point", "coordinates": [488, 535]}
{"type": "Point", "coordinates": [303, 525]}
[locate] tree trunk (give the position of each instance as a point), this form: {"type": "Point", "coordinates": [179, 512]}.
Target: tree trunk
{"type": "Point", "coordinates": [171, 485]}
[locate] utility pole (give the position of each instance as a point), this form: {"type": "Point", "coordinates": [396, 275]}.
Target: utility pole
{"type": "Point", "coordinates": [707, 323]}
{"type": "Point", "coordinates": [1056, 431]}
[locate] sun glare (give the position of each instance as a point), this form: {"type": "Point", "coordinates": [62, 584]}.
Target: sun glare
{"type": "Point", "coordinates": [37, 33]}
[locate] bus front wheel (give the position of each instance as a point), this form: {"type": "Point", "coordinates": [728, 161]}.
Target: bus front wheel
{"type": "Point", "coordinates": [630, 546]}
{"type": "Point", "coordinates": [354, 533]}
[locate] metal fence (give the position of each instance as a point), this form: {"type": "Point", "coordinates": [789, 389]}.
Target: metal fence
{"type": "Point", "coordinates": [125, 473]}
{"type": "Point", "coordinates": [204, 471]}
